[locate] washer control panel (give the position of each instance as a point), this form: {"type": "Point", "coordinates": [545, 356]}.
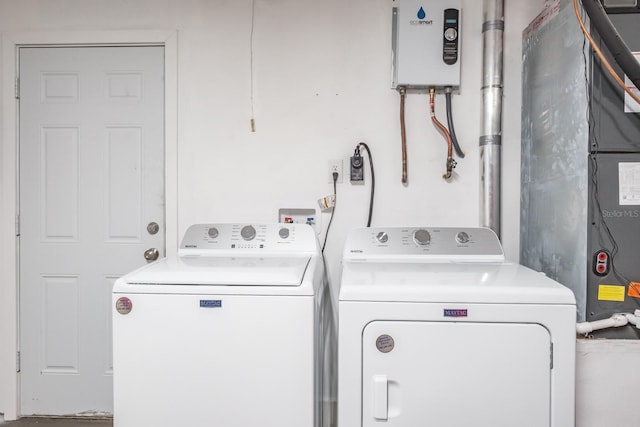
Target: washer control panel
{"type": "Point", "coordinates": [200, 238]}
{"type": "Point", "coordinates": [441, 243]}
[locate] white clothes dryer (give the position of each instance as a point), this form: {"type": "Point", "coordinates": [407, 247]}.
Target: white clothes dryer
{"type": "Point", "coordinates": [436, 328]}
{"type": "Point", "coordinates": [228, 333]}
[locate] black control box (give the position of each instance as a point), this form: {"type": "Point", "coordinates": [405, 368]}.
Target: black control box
{"type": "Point", "coordinates": [357, 169]}
{"type": "Point", "coordinates": [450, 36]}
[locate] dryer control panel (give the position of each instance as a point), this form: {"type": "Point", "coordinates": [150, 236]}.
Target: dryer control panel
{"type": "Point", "coordinates": [423, 243]}
{"type": "Point", "coordinates": [202, 239]}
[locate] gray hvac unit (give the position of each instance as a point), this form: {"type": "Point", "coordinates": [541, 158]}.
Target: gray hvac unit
{"type": "Point", "coordinates": [580, 182]}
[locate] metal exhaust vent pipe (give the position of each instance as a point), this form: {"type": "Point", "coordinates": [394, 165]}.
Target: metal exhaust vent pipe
{"type": "Point", "coordinates": [491, 136]}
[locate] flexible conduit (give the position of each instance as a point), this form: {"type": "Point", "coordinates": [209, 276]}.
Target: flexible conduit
{"type": "Point", "coordinates": [612, 39]}
{"type": "Point", "coordinates": [491, 136]}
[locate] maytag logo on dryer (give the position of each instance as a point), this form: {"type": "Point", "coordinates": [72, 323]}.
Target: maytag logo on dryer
{"type": "Point", "coordinates": [455, 312]}
{"type": "Point", "coordinates": [421, 15]}
{"type": "Point", "coordinates": [211, 303]}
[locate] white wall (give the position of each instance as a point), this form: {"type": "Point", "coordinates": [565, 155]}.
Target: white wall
{"type": "Point", "coordinates": [321, 79]}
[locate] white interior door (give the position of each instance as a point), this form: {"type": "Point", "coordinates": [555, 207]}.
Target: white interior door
{"type": "Point", "coordinates": [91, 181]}
{"type": "Point", "coordinates": [450, 374]}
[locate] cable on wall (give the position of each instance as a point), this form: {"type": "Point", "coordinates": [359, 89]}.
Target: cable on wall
{"type": "Point", "coordinates": [451, 163]}
{"type": "Point", "coordinates": [619, 49]}
{"type": "Point", "coordinates": [331, 203]}
{"type": "Point", "coordinates": [452, 130]}
{"type": "Point", "coordinates": [373, 177]}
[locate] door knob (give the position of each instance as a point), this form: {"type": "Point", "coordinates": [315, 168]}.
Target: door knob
{"type": "Point", "coordinates": [151, 254]}
{"type": "Point", "coordinates": [153, 228]}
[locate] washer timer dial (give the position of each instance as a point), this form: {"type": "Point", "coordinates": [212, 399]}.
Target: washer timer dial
{"type": "Point", "coordinates": [248, 232]}
{"type": "Point", "coordinates": [213, 232]}
{"type": "Point", "coordinates": [422, 237]}
{"type": "Point", "coordinates": [284, 233]}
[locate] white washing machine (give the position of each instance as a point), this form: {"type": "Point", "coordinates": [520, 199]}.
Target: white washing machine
{"type": "Point", "coordinates": [437, 329]}
{"type": "Point", "coordinates": [228, 333]}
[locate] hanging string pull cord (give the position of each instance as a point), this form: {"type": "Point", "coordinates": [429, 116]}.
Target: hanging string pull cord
{"type": "Point", "coordinates": [451, 163]}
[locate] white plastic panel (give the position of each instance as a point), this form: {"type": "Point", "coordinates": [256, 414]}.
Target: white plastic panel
{"type": "Point", "coordinates": [423, 244]}
{"type": "Point", "coordinates": [222, 271]}
{"type": "Point", "coordinates": [246, 361]}
{"type": "Point", "coordinates": [452, 374]}
{"type": "Point", "coordinates": [264, 239]}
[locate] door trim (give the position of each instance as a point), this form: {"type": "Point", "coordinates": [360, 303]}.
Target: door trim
{"type": "Point", "coordinates": [9, 303]}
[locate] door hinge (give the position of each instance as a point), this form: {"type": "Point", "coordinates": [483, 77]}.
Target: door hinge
{"type": "Point", "coordinates": [17, 87]}
{"type": "Point", "coordinates": [17, 361]}
{"type": "Point", "coordinates": [18, 225]}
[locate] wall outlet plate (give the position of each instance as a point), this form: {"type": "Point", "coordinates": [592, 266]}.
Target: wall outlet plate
{"type": "Point", "coordinates": [335, 165]}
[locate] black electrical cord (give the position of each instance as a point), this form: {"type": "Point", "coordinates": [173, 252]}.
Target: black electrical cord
{"type": "Point", "coordinates": [612, 39]}
{"type": "Point", "coordinates": [333, 209]}
{"type": "Point", "coordinates": [452, 130]}
{"type": "Point", "coordinates": [373, 178]}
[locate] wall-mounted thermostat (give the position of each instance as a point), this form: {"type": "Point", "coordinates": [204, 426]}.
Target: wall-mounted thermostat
{"type": "Point", "coordinates": [426, 44]}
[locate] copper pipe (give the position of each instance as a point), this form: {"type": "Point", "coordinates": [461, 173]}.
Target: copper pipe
{"type": "Point", "coordinates": [403, 134]}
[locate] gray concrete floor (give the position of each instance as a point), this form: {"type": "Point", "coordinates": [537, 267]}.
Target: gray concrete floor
{"type": "Point", "coordinates": [56, 422]}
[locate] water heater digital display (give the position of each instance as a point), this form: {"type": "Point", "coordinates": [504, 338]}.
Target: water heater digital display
{"type": "Point", "coordinates": [426, 44]}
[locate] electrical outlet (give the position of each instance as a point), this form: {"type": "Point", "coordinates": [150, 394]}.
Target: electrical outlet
{"type": "Point", "coordinates": [335, 165]}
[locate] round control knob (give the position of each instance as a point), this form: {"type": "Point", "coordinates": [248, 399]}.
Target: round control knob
{"type": "Point", "coordinates": [462, 237]}
{"type": "Point", "coordinates": [248, 232]}
{"type": "Point", "coordinates": [421, 237]}
{"type": "Point", "coordinates": [213, 232]}
{"type": "Point", "coordinates": [283, 233]}
{"type": "Point", "coordinates": [382, 237]}
{"type": "Point", "coordinates": [450, 34]}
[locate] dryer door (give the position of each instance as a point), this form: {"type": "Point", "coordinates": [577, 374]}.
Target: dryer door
{"type": "Point", "coordinates": [451, 374]}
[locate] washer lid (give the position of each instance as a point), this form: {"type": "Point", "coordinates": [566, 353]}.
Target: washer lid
{"type": "Point", "coordinates": [496, 283]}
{"type": "Point", "coordinates": [222, 271]}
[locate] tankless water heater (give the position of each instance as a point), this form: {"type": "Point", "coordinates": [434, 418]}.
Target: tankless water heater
{"type": "Point", "coordinates": [426, 44]}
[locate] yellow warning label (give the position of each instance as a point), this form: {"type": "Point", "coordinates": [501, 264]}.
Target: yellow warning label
{"type": "Point", "coordinates": [611, 293]}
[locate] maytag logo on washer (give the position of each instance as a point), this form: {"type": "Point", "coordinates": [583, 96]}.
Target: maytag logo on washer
{"type": "Point", "coordinates": [124, 305]}
{"type": "Point", "coordinates": [210, 303]}
{"type": "Point", "coordinates": [457, 312]}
